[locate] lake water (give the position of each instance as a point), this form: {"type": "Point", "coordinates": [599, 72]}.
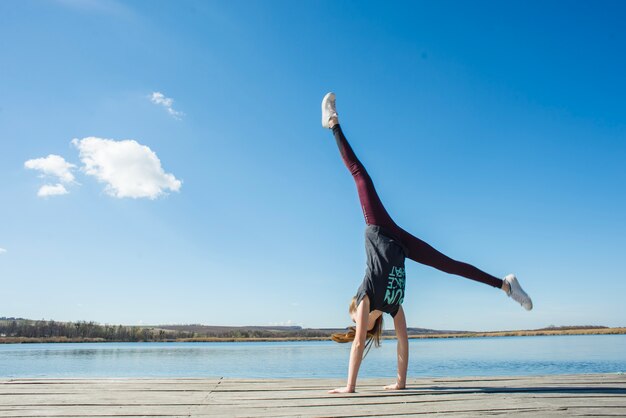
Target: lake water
{"type": "Point", "coordinates": [325, 359]}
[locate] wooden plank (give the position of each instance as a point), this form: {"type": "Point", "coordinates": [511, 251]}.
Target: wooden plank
{"type": "Point", "coordinates": [575, 395]}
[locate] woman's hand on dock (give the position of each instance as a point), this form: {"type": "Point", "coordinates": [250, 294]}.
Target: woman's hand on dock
{"type": "Point", "coordinates": [345, 389]}
{"type": "Point", "coordinates": [395, 386]}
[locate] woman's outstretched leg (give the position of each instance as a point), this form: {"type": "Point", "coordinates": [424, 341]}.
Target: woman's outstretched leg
{"type": "Point", "coordinates": [373, 209]}
{"type": "Point", "coordinates": [424, 253]}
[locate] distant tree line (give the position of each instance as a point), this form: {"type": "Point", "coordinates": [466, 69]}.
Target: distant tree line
{"type": "Point", "coordinates": [26, 330]}
{"type": "Point", "coordinates": [93, 331]}
{"type": "Point", "coordinates": [207, 331]}
{"type": "Point", "coordinates": [86, 330]}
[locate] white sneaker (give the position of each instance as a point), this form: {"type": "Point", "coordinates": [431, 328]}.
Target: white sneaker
{"type": "Point", "coordinates": [517, 293]}
{"type": "Point", "coordinates": [328, 109]}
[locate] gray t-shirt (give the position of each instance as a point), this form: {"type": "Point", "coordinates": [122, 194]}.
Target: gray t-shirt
{"type": "Point", "coordinates": [384, 275]}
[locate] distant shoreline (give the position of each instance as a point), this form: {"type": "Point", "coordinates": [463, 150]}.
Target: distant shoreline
{"type": "Point", "coordinates": [519, 333]}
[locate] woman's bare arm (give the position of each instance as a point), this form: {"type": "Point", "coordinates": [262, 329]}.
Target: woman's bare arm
{"type": "Point", "coordinates": [399, 322]}
{"type": "Point", "coordinates": [356, 353]}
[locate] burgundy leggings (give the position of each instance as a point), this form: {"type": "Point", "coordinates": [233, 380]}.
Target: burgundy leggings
{"type": "Point", "coordinates": [375, 214]}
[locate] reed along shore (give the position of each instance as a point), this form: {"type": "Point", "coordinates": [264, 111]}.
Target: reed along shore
{"type": "Point", "coordinates": [513, 333]}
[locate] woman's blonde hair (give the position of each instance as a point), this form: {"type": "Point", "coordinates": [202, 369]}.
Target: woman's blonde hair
{"type": "Point", "coordinates": [373, 336]}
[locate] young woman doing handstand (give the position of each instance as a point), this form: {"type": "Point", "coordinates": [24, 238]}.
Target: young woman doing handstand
{"type": "Point", "coordinates": [387, 245]}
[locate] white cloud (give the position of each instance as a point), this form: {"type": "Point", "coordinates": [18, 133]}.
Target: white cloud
{"type": "Point", "coordinates": [128, 168]}
{"type": "Point", "coordinates": [166, 102]}
{"type": "Point", "coordinates": [52, 165]}
{"type": "Point", "coordinates": [2, 251]}
{"type": "Point", "coordinates": [56, 167]}
{"type": "Point", "coordinates": [52, 190]}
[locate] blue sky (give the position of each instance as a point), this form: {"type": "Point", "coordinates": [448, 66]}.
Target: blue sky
{"type": "Point", "coordinates": [495, 131]}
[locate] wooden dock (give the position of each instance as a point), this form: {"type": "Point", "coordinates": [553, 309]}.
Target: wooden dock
{"type": "Point", "coordinates": [543, 396]}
